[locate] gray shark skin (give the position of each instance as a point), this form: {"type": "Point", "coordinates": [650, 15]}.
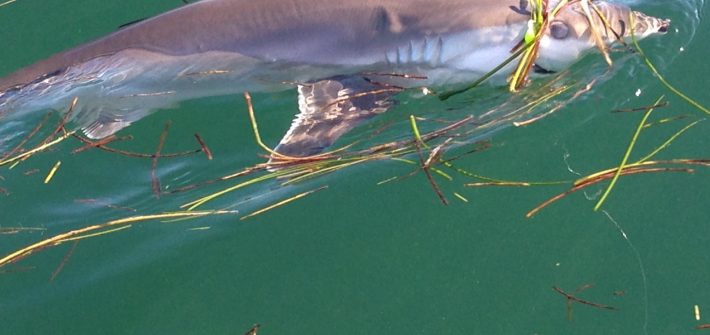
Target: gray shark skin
{"type": "Point", "coordinates": [325, 48]}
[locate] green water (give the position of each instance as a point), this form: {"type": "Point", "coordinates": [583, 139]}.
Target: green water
{"type": "Point", "coordinates": [358, 257]}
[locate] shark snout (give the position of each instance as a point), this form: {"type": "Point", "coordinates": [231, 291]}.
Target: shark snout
{"type": "Point", "coordinates": [646, 25]}
{"type": "Point", "coordinates": [663, 28]}
{"type": "Point", "coordinates": [572, 31]}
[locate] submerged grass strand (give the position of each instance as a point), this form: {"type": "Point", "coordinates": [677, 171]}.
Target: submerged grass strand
{"type": "Point", "coordinates": [429, 177]}
{"type": "Point", "coordinates": [155, 181]}
{"type": "Point", "coordinates": [101, 233]}
{"type": "Point", "coordinates": [204, 147]}
{"type": "Point", "coordinates": [282, 202]}
{"type": "Point", "coordinates": [672, 88]}
{"type": "Point", "coordinates": [626, 156]}
{"type": "Point", "coordinates": [639, 109]}
{"type": "Point", "coordinates": [666, 120]}
{"type": "Point", "coordinates": [60, 238]}
{"type": "Point", "coordinates": [7, 3]}
{"type": "Point", "coordinates": [27, 154]}
{"type": "Point", "coordinates": [102, 146]}
{"type": "Point", "coordinates": [325, 170]}
{"type": "Point", "coordinates": [499, 183]}
{"type": "Point", "coordinates": [581, 301]}
{"type": "Point", "coordinates": [51, 173]}
{"type": "Point", "coordinates": [16, 230]}
{"type": "Point", "coordinates": [415, 130]}
{"type": "Point", "coordinates": [24, 141]}
{"type": "Point", "coordinates": [199, 202]}
{"type": "Point", "coordinates": [255, 129]}
{"type": "Point", "coordinates": [411, 162]}
{"type": "Point", "coordinates": [63, 122]}
{"type": "Point", "coordinates": [96, 144]}
{"type": "Point", "coordinates": [658, 74]}
{"type": "Point", "coordinates": [645, 164]}
{"type": "Point", "coordinates": [460, 197]}
{"type": "Point", "coordinates": [598, 179]}
{"type": "Point", "coordinates": [668, 142]}
{"type": "Point", "coordinates": [488, 75]}
{"type": "Point", "coordinates": [64, 261]}
{"type": "Point", "coordinates": [303, 168]}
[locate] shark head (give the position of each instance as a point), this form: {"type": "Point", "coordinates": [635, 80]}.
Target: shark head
{"type": "Point", "coordinates": [569, 34]}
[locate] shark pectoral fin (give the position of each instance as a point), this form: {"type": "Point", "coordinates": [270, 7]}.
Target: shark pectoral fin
{"type": "Point", "coordinates": [329, 109]}
{"type": "Point", "coordinates": [99, 130]}
{"type": "Point", "coordinates": [100, 123]}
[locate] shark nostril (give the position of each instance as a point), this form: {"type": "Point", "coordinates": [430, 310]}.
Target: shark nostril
{"type": "Point", "coordinates": [664, 26]}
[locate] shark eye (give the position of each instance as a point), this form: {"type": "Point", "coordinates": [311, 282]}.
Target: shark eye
{"type": "Point", "coordinates": [559, 30]}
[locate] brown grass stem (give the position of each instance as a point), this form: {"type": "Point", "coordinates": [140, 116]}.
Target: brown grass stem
{"type": "Point", "coordinates": [64, 261]}
{"type": "Point", "coordinates": [24, 141]}
{"type": "Point", "coordinates": [27, 154]}
{"type": "Point", "coordinates": [598, 179]}
{"type": "Point", "coordinates": [155, 181]}
{"type": "Point", "coordinates": [62, 123]}
{"type": "Point", "coordinates": [582, 301]}
{"type": "Point", "coordinates": [204, 147]}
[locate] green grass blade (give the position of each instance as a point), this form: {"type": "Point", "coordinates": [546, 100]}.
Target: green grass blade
{"type": "Point", "coordinates": [626, 156]}
{"type": "Point", "coordinates": [660, 77]}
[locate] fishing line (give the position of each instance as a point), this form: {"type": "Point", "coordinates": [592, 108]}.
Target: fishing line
{"type": "Point", "coordinates": [641, 267]}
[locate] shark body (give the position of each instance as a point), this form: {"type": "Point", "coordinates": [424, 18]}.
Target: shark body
{"type": "Point", "coordinates": [328, 49]}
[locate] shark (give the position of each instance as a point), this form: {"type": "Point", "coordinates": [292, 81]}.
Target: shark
{"type": "Point", "coordinates": [347, 59]}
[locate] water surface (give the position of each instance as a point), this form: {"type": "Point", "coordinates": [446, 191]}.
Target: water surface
{"type": "Point", "coordinates": [358, 257]}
